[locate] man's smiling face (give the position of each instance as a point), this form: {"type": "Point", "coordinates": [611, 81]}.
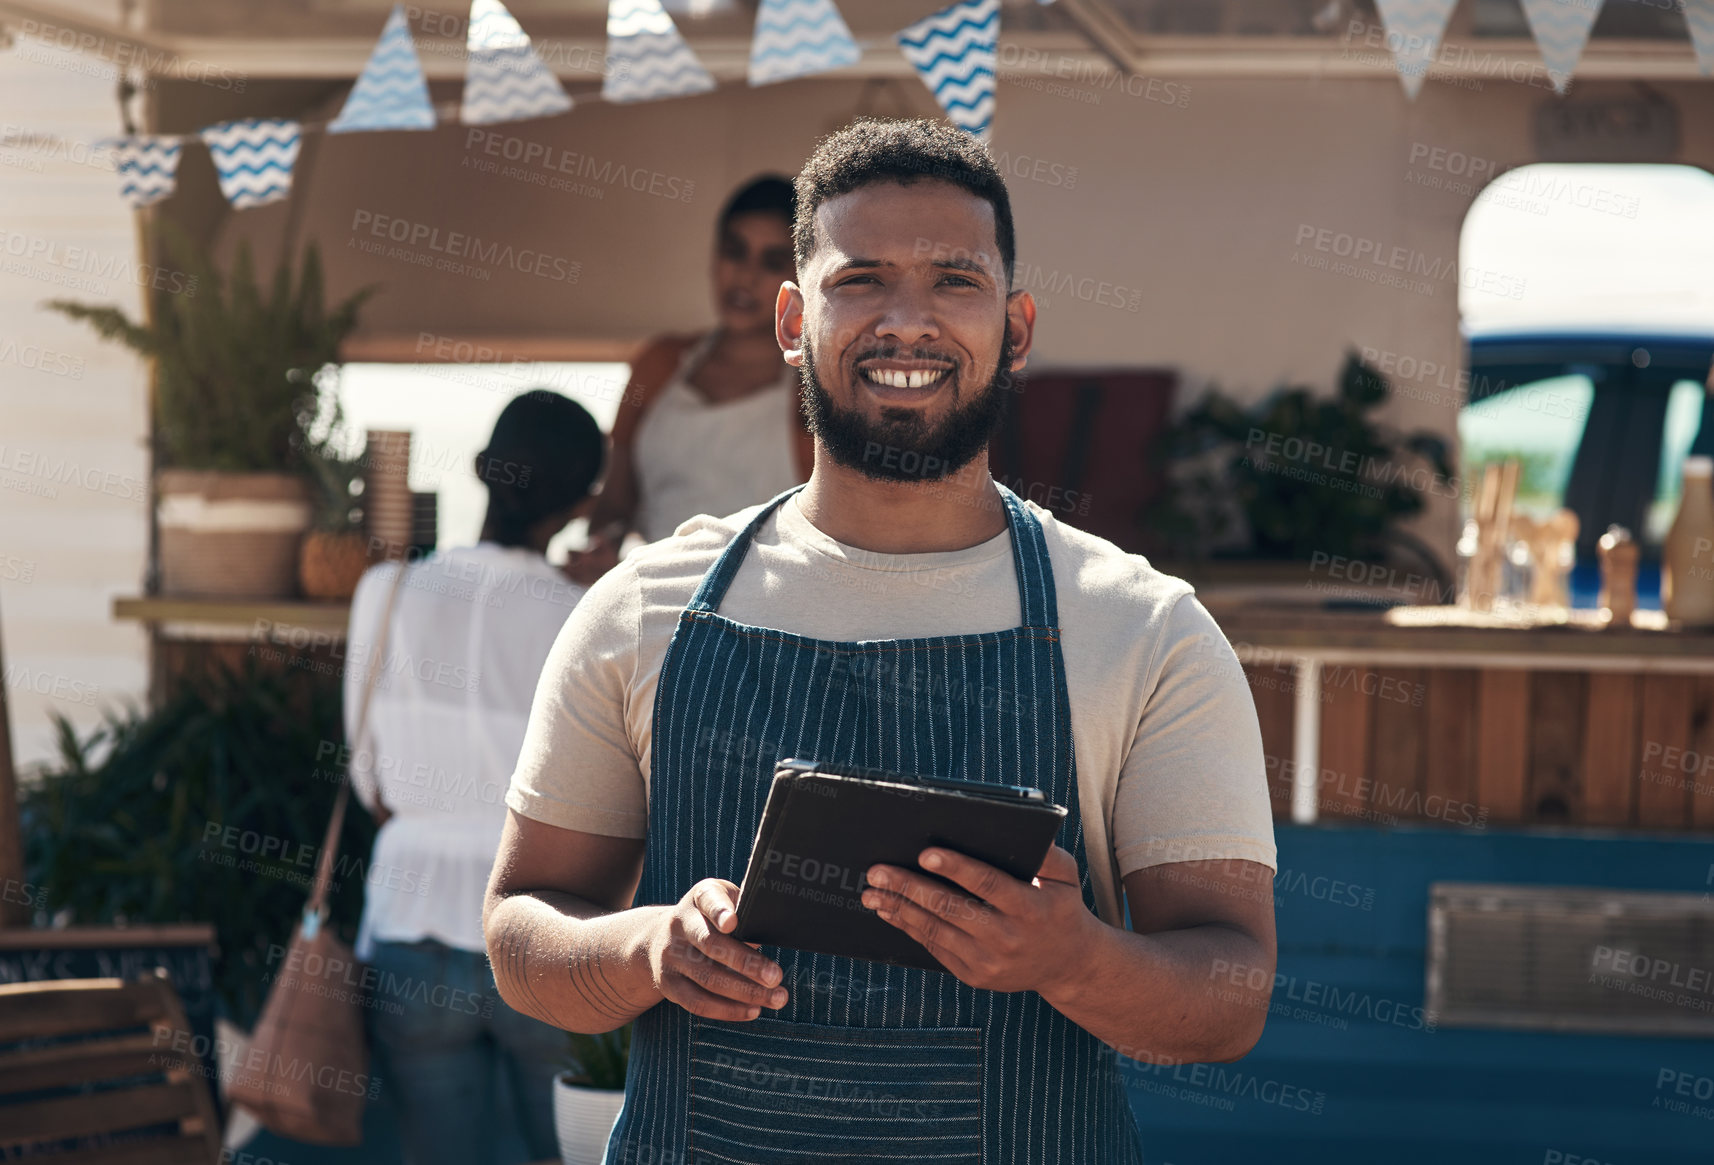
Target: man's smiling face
{"type": "Point", "coordinates": [906, 345]}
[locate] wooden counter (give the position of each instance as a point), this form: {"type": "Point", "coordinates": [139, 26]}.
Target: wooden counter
{"type": "Point", "coordinates": [1454, 636]}
{"type": "Point", "coordinates": [1433, 714]}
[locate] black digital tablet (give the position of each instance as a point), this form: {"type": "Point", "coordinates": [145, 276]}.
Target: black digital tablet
{"type": "Point", "coordinates": [824, 826]}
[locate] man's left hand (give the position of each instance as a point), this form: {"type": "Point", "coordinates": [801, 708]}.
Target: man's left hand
{"type": "Point", "coordinates": [1009, 935]}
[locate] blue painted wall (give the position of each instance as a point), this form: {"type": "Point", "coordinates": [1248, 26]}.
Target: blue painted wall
{"type": "Point", "coordinates": [1348, 1071]}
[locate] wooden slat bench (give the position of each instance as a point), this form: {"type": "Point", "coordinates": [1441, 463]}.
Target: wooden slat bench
{"type": "Point", "coordinates": [103, 1060]}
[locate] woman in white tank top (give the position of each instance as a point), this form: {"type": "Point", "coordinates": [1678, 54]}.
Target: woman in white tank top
{"type": "Point", "coordinates": [709, 424]}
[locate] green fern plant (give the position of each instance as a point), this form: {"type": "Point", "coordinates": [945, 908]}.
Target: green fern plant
{"type": "Point", "coordinates": [599, 1061]}
{"type": "Point", "coordinates": [236, 368]}
{"type": "Point", "coordinates": [144, 819]}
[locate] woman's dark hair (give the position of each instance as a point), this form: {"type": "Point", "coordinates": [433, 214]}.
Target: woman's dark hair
{"type": "Point", "coordinates": [770, 193]}
{"type": "Point", "coordinates": [543, 458]}
{"type": "Point", "coordinates": [871, 150]}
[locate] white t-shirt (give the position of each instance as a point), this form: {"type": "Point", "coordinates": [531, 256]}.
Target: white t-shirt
{"type": "Point", "coordinates": [1169, 754]}
{"type": "Point", "coordinates": [694, 455]}
{"type": "Point", "coordinates": [470, 629]}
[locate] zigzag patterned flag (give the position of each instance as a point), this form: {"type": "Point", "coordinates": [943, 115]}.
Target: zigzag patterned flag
{"type": "Point", "coordinates": [254, 158]}
{"type": "Point", "coordinates": [795, 38]}
{"type": "Point", "coordinates": [148, 167]}
{"type": "Point", "coordinates": [1561, 29]}
{"type": "Point", "coordinates": [392, 92]}
{"type": "Point", "coordinates": [1699, 15]}
{"type": "Point", "coordinates": [1414, 29]}
{"type": "Point", "coordinates": [504, 79]}
{"type": "Point", "coordinates": [646, 57]}
{"type": "Point", "coordinates": [956, 51]}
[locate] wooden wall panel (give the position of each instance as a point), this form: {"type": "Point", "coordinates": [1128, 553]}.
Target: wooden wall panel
{"type": "Point", "coordinates": [1558, 700]}
{"type": "Point", "coordinates": [1396, 745]}
{"type": "Point", "coordinates": [1502, 742]}
{"type": "Point", "coordinates": [1449, 773]}
{"type": "Point", "coordinates": [1345, 720]}
{"type": "Point", "coordinates": [1610, 749]}
{"type": "Point", "coordinates": [1663, 792]}
{"type": "Point", "coordinates": [1504, 746]}
{"type": "Point", "coordinates": [1271, 689]}
{"type": "Point", "coordinates": [1702, 769]}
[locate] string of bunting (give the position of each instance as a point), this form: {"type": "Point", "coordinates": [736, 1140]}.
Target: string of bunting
{"type": "Point", "coordinates": [954, 51]}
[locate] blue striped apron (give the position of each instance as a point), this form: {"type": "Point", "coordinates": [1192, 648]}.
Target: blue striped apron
{"type": "Point", "coordinates": [867, 1061]}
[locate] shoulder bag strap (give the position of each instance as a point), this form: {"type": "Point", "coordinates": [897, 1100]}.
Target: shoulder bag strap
{"type": "Point", "coordinates": [316, 907]}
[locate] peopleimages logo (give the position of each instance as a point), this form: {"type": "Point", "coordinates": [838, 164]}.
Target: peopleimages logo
{"type": "Point", "coordinates": [449, 250]}
{"type": "Point", "coordinates": [534, 159]}
{"type": "Point", "coordinates": [129, 56]}
{"type": "Point", "coordinates": [39, 359]}
{"type": "Point", "coordinates": [237, 1060]}
{"type": "Point", "coordinates": [24, 249]}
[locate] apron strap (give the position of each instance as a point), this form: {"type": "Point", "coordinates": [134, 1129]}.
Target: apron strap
{"type": "Point", "coordinates": [1036, 597]}
{"type": "Point", "coordinates": [713, 588]}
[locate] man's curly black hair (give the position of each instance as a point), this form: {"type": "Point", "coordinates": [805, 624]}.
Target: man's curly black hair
{"type": "Point", "coordinates": [872, 150]}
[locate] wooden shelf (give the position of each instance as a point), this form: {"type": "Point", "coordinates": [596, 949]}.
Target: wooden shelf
{"type": "Point", "coordinates": [235, 618]}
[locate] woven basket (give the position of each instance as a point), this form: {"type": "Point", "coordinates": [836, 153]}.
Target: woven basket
{"type": "Point", "coordinates": [230, 535]}
{"type": "Point", "coordinates": [329, 565]}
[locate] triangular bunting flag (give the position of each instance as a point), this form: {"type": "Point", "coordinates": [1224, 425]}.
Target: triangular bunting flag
{"type": "Point", "coordinates": [392, 92]}
{"type": "Point", "coordinates": [148, 167]}
{"type": "Point", "coordinates": [956, 51]}
{"type": "Point", "coordinates": [795, 38]}
{"type": "Point", "coordinates": [1561, 29]}
{"type": "Point", "coordinates": [1414, 29]}
{"type": "Point", "coordinates": [646, 57]}
{"type": "Point", "coordinates": [1699, 15]}
{"type": "Point", "coordinates": [504, 79]}
{"type": "Point", "coordinates": [253, 159]}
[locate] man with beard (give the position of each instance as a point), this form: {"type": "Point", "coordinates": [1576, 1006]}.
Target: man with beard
{"type": "Point", "coordinates": [901, 611]}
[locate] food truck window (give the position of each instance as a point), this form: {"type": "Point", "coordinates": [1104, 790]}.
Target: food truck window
{"type": "Point", "coordinates": [1582, 294]}
{"type": "Point", "coordinates": [450, 409]}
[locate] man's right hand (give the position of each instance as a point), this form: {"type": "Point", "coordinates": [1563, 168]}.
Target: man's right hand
{"type": "Point", "coordinates": [700, 967]}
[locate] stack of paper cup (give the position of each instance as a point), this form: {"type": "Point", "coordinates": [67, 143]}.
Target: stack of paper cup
{"type": "Point", "coordinates": [425, 522]}
{"type": "Point", "coordinates": [387, 506]}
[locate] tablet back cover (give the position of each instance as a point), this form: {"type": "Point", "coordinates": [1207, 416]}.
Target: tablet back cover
{"type": "Point", "coordinates": [821, 832]}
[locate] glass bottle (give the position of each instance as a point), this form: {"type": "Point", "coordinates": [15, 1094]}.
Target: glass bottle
{"type": "Point", "coordinates": [1687, 555]}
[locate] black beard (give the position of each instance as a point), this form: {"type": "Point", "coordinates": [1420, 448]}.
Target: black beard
{"type": "Point", "coordinates": [900, 447]}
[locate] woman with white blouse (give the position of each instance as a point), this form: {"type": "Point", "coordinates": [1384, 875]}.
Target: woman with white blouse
{"type": "Point", "coordinates": [469, 631]}
{"type": "Point", "coordinates": [710, 423]}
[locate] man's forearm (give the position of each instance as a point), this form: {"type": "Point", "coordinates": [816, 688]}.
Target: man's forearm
{"type": "Point", "coordinates": [566, 961]}
{"type": "Point", "coordinates": [1157, 998]}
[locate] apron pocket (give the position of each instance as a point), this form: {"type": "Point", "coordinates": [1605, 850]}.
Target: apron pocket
{"type": "Point", "coordinates": [768, 1092]}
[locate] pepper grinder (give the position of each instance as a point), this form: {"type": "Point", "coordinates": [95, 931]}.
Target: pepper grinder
{"type": "Point", "coordinates": [1618, 576]}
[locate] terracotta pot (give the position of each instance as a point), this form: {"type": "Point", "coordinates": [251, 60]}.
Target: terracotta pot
{"type": "Point", "coordinates": [583, 1118]}
{"type": "Point", "coordinates": [230, 535]}
{"type": "Point", "coordinates": [329, 565]}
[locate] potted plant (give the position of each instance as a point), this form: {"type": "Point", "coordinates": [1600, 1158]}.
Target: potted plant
{"type": "Point", "coordinates": [336, 551]}
{"type": "Point", "coordinates": [235, 380]}
{"type": "Point", "coordinates": [1299, 474]}
{"type": "Point", "coordinates": [587, 1096]}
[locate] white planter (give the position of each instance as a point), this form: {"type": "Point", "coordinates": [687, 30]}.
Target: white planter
{"type": "Point", "coordinates": [583, 1118]}
{"type": "Point", "coordinates": [230, 535]}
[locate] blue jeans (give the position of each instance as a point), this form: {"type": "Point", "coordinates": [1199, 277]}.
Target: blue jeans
{"type": "Point", "coordinates": [445, 1045]}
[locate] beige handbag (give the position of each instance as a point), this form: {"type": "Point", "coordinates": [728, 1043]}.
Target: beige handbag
{"type": "Point", "coordinates": [305, 1074]}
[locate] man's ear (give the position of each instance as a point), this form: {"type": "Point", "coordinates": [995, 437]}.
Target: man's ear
{"type": "Point", "coordinates": [1020, 325]}
{"type": "Point", "coordinates": [788, 322]}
